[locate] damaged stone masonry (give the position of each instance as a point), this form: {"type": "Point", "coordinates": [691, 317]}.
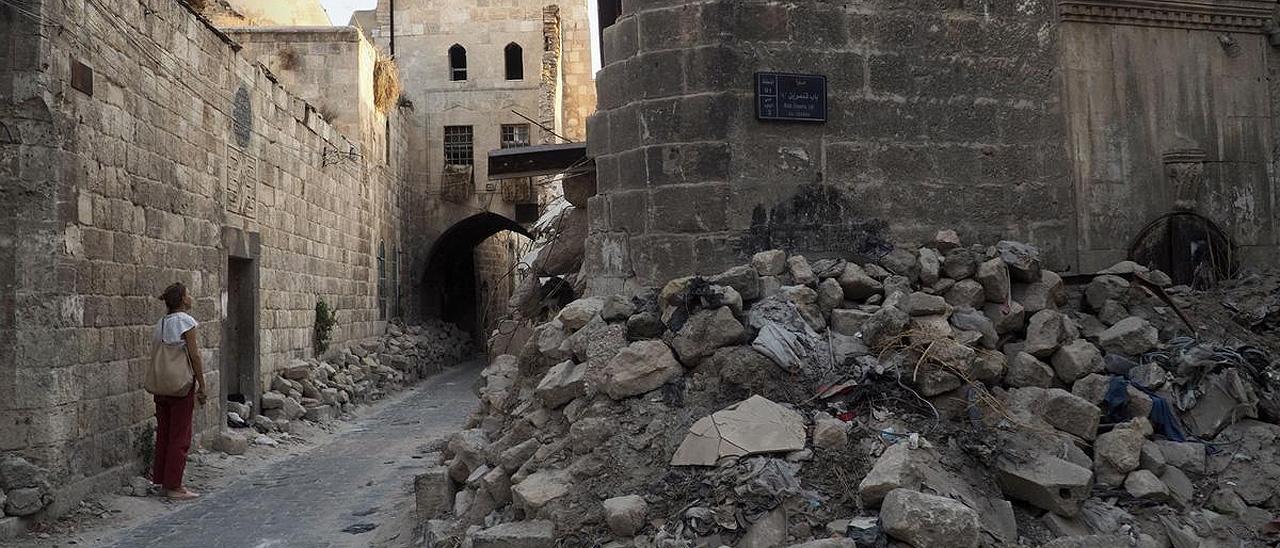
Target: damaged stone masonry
{"type": "Point", "coordinates": [946, 395]}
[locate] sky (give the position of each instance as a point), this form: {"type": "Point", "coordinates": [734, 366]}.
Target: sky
{"type": "Point", "coordinates": [340, 10]}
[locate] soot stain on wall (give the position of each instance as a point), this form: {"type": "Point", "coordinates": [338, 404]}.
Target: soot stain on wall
{"type": "Point", "coordinates": [819, 220]}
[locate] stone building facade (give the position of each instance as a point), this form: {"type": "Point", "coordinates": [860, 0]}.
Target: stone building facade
{"type": "Point", "coordinates": [1051, 121]}
{"type": "Point", "coordinates": [139, 147]}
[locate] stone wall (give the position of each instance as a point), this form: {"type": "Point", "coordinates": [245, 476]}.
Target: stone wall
{"type": "Point", "coordinates": [1041, 121]}
{"type": "Point", "coordinates": [495, 276]}
{"type": "Point", "coordinates": [939, 116]}
{"type": "Point", "coordinates": [282, 12]}
{"type": "Point", "coordinates": [181, 155]}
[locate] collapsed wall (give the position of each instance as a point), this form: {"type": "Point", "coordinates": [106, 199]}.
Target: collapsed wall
{"type": "Point", "coordinates": [950, 395]}
{"type": "Point", "coordinates": [141, 149]}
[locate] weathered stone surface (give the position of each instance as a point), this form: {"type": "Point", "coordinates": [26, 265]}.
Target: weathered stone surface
{"type": "Point", "coordinates": [562, 384]}
{"type": "Point", "coordinates": [1151, 458]}
{"type": "Point", "coordinates": [830, 432]}
{"type": "Point", "coordinates": [770, 263]}
{"type": "Point", "coordinates": [1075, 360]}
{"type": "Point", "coordinates": [899, 466]}
{"type": "Point", "coordinates": [902, 262]}
{"type": "Point", "coordinates": [1189, 456]}
{"type": "Point", "coordinates": [1046, 482]}
{"type": "Point", "coordinates": [927, 521]}
{"type": "Point", "coordinates": [1180, 486]}
{"type": "Point", "coordinates": [930, 265]}
{"type": "Point", "coordinates": [743, 279]}
{"type": "Point", "coordinates": [968, 319]}
{"type": "Point", "coordinates": [626, 515]}
{"type": "Point", "coordinates": [617, 308]}
{"type": "Point", "coordinates": [801, 272]}
{"type": "Point", "coordinates": [857, 284]}
{"type": "Point", "coordinates": [768, 531]}
{"type": "Point", "coordinates": [1150, 375]}
{"type": "Point", "coordinates": [1046, 294]}
{"type": "Point", "coordinates": [1228, 397]}
{"type": "Point", "coordinates": [1143, 484]}
{"type": "Point", "coordinates": [517, 534]}
{"type": "Point", "coordinates": [639, 368]}
{"type": "Point", "coordinates": [1070, 413]}
{"type": "Point", "coordinates": [924, 304]}
{"type": "Point", "coordinates": [945, 240]}
{"type": "Point", "coordinates": [966, 293]}
{"type": "Point", "coordinates": [1112, 311]}
{"type": "Point", "coordinates": [272, 400]}
{"type": "Point", "coordinates": [960, 263]}
{"type": "Point", "coordinates": [540, 488]}
{"type": "Point", "coordinates": [578, 313]}
{"type": "Point", "coordinates": [706, 331]}
{"type": "Point", "coordinates": [1007, 317]}
{"type": "Point", "coordinates": [1022, 259]}
{"type": "Point", "coordinates": [1026, 370]}
{"type": "Point", "coordinates": [830, 295]}
{"type": "Point", "coordinates": [1131, 336]}
{"type": "Point", "coordinates": [806, 301]}
{"type": "Point", "coordinates": [827, 543]}
{"type": "Point", "coordinates": [1116, 453]}
{"type": "Point", "coordinates": [230, 443]}
{"type": "Point", "coordinates": [26, 501]}
{"type": "Point", "coordinates": [1104, 288]}
{"type": "Point", "coordinates": [994, 277]}
{"type": "Point", "coordinates": [1093, 387]}
{"type": "Point", "coordinates": [753, 426]}
{"type": "Point", "coordinates": [1047, 331]}
{"type": "Point", "coordinates": [433, 493]}
{"type": "Point", "coordinates": [883, 326]}
{"type": "Point", "coordinates": [516, 456]}
{"type": "Point", "coordinates": [644, 325]}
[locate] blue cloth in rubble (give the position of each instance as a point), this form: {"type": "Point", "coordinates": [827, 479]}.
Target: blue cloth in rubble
{"type": "Point", "coordinates": [1117, 400]}
{"type": "Point", "coordinates": [1163, 418]}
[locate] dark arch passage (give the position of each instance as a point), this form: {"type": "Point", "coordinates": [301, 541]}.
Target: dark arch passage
{"type": "Point", "coordinates": [450, 287]}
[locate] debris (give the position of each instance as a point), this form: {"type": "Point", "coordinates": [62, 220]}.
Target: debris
{"type": "Point", "coordinates": [639, 368]}
{"type": "Point", "coordinates": [926, 521]}
{"type": "Point", "coordinates": [751, 427]}
{"type": "Point", "coordinates": [626, 515]}
{"type": "Point", "coordinates": [1045, 482]}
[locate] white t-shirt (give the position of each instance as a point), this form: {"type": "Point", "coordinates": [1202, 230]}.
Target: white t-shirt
{"type": "Point", "coordinates": [172, 327]}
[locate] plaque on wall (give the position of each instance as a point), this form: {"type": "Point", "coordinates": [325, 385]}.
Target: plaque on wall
{"type": "Point", "coordinates": [791, 97]}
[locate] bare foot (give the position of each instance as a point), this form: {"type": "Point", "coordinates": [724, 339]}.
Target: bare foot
{"type": "Point", "coordinates": [180, 493]}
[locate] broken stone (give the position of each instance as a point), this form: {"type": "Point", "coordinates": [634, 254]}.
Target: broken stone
{"type": "Point", "coordinates": [433, 493]}
{"type": "Point", "coordinates": [515, 457]}
{"type": "Point", "coordinates": [579, 313]}
{"type": "Point", "coordinates": [26, 501]}
{"type": "Point", "coordinates": [497, 484]}
{"type": "Point", "coordinates": [1132, 336]}
{"type": "Point", "coordinates": [959, 263]}
{"type": "Point", "coordinates": [902, 262]}
{"type": "Point", "coordinates": [830, 295]}
{"type": "Point", "coordinates": [900, 466]}
{"type": "Point", "coordinates": [1150, 376]}
{"type": "Point", "coordinates": [272, 400]}
{"type": "Point", "coordinates": [588, 433]}
{"type": "Point", "coordinates": [945, 240]}
{"type": "Point", "coordinates": [1075, 360]}
{"type": "Point", "coordinates": [935, 326]}
{"type": "Point", "coordinates": [518, 534]}
{"type": "Point", "coordinates": [540, 488]}
{"type": "Point", "coordinates": [830, 432]}
{"type": "Point", "coordinates": [753, 426]}
{"type": "Point", "coordinates": [966, 293]}
{"type": "Point", "coordinates": [617, 308]}
{"type": "Point", "coordinates": [1143, 484]}
{"type": "Point", "coordinates": [857, 285]}
{"type": "Point", "coordinates": [1047, 331]}
{"type": "Point", "coordinates": [1093, 387]}
{"type": "Point", "coordinates": [643, 326]}
{"type": "Point", "coordinates": [924, 304]}
{"type": "Point", "coordinates": [949, 522]}
{"type": "Point", "coordinates": [1151, 458]}
{"type": "Point", "coordinates": [1224, 500]}
{"type": "Point", "coordinates": [1070, 413]}
{"type": "Point", "coordinates": [1189, 456]}
{"type": "Point", "coordinates": [1104, 288]}
{"type": "Point", "coordinates": [1115, 454]}
{"type": "Point", "coordinates": [767, 532]}
{"type": "Point", "coordinates": [229, 443]}
{"type": "Point", "coordinates": [706, 331]}
{"type": "Point", "coordinates": [469, 447]}
{"type": "Point", "coordinates": [743, 279]}
{"type": "Point", "coordinates": [930, 264]}
{"type": "Point", "coordinates": [770, 263]}
{"type": "Point", "coordinates": [806, 302]}
{"type": "Point", "coordinates": [885, 325]}
{"type": "Point", "coordinates": [1180, 486]}
{"type": "Point", "coordinates": [626, 515]}
{"type": "Point", "coordinates": [1007, 317]}
{"type": "Point", "coordinates": [1112, 311]}
{"type": "Point", "coordinates": [994, 277]}
{"type": "Point", "coordinates": [1227, 399]}
{"type": "Point", "coordinates": [827, 543]}
{"type": "Point", "coordinates": [1026, 370]}
{"type": "Point", "coordinates": [1047, 294]}
{"type": "Point", "coordinates": [1022, 259]}
{"type": "Point", "coordinates": [1046, 482]}
{"type": "Point", "coordinates": [968, 319]}
{"type": "Point", "coordinates": [639, 368]}
{"type": "Point", "coordinates": [801, 272]}
{"type": "Point", "coordinates": [562, 384]}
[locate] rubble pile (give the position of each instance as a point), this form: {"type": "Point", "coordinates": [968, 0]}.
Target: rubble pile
{"type": "Point", "coordinates": [24, 487]}
{"type": "Point", "coordinates": [948, 395]}
{"type": "Point", "coordinates": [321, 390]}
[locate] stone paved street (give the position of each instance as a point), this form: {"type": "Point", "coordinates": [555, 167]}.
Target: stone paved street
{"type": "Point", "coordinates": [307, 501]}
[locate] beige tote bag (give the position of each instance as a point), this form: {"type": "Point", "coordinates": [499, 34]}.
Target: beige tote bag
{"type": "Point", "coordinates": [169, 373]}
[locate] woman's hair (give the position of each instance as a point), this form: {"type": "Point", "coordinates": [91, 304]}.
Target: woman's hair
{"type": "Point", "coordinates": [173, 296]}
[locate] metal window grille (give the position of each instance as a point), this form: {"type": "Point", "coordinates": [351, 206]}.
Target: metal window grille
{"type": "Point", "coordinates": [515, 135]}
{"type": "Point", "coordinates": [458, 146]}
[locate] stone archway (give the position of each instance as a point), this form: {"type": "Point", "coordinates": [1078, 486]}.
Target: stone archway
{"type": "Point", "coordinates": [452, 288]}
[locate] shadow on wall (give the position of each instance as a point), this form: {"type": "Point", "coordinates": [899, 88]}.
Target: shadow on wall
{"type": "Point", "coordinates": [449, 284]}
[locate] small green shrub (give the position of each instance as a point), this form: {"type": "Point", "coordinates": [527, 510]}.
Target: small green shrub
{"type": "Point", "coordinates": [326, 318]}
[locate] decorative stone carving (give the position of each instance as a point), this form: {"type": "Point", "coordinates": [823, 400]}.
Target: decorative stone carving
{"type": "Point", "coordinates": [1185, 170]}
{"type": "Point", "coordinates": [242, 182]}
{"type": "Point", "coordinates": [1221, 15]}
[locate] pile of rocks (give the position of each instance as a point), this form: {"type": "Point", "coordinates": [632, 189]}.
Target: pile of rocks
{"type": "Point", "coordinates": [363, 371]}
{"type": "Point", "coordinates": [24, 487]}
{"type": "Point", "coordinates": [948, 395]}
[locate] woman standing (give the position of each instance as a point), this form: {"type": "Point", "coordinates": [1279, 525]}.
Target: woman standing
{"type": "Point", "coordinates": [173, 413]}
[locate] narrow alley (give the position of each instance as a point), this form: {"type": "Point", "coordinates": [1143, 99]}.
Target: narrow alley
{"type": "Point", "coordinates": [350, 492]}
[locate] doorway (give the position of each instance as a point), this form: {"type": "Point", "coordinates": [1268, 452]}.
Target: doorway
{"type": "Point", "coordinates": [240, 332]}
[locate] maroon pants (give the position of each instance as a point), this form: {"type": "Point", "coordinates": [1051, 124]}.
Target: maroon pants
{"type": "Point", "coordinates": [173, 438]}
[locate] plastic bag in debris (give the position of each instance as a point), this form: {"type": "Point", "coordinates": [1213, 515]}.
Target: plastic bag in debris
{"type": "Point", "coordinates": [761, 484]}
{"type": "Point", "coordinates": [787, 339]}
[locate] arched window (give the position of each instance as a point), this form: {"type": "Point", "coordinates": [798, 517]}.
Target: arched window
{"type": "Point", "coordinates": [515, 61]}
{"type": "Point", "coordinates": [457, 63]}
